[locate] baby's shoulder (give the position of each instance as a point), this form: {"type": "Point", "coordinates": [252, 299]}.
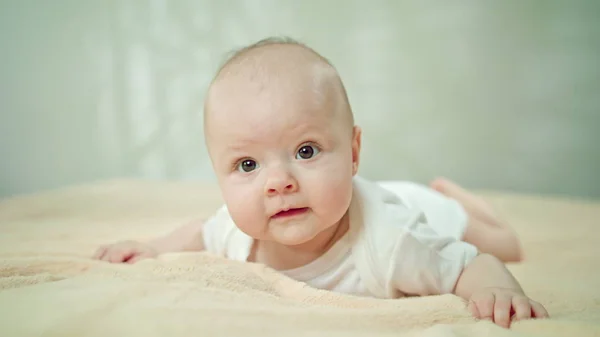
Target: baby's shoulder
{"type": "Point", "coordinates": [397, 196]}
{"type": "Point", "coordinates": [381, 212]}
{"type": "Point", "coordinates": [222, 237]}
{"type": "Point", "coordinates": [401, 188]}
{"type": "Point", "coordinates": [219, 226]}
{"type": "Point", "coordinates": [384, 213]}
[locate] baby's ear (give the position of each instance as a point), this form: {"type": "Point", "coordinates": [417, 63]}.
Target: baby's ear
{"type": "Point", "coordinates": [356, 141]}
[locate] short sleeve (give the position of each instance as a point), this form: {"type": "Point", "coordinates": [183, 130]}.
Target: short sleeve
{"type": "Point", "coordinates": [214, 232]}
{"type": "Point", "coordinates": [444, 215]}
{"type": "Point", "coordinates": [222, 237]}
{"type": "Point", "coordinates": [427, 263]}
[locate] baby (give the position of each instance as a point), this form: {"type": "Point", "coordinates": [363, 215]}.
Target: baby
{"type": "Point", "coordinates": [281, 136]}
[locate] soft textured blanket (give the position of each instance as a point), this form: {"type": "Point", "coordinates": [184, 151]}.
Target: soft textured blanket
{"type": "Point", "coordinates": [50, 287]}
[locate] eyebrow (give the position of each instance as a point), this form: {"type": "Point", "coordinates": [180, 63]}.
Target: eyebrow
{"type": "Point", "coordinates": [305, 132]}
{"type": "Point", "coordinates": [240, 146]}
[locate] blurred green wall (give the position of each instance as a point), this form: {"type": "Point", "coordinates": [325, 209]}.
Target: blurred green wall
{"type": "Point", "coordinates": [495, 94]}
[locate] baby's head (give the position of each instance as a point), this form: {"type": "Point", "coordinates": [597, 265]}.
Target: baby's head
{"type": "Point", "coordinates": [281, 137]}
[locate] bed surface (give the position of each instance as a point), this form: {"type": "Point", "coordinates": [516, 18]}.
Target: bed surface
{"type": "Point", "coordinates": [49, 286]}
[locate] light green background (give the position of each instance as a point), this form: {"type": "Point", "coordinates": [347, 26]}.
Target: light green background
{"type": "Point", "coordinates": [495, 94]}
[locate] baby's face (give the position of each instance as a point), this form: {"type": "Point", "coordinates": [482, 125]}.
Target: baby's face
{"type": "Point", "coordinates": [284, 160]}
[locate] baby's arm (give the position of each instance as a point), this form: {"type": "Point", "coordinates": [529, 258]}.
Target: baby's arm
{"type": "Point", "coordinates": [493, 293]}
{"type": "Point", "coordinates": [427, 263]}
{"type": "Point", "coordinates": [184, 238]}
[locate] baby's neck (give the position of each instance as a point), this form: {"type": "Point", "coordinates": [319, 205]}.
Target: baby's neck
{"type": "Point", "coordinates": [281, 257]}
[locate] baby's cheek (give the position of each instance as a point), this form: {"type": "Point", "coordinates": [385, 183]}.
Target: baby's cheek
{"type": "Point", "coordinates": [334, 196]}
{"type": "Point", "coordinates": [245, 209]}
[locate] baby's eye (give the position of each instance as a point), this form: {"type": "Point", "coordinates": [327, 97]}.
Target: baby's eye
{"type": "Point", "coordinates": [247, 165]}
{"type": "Point", "coordinates": [307, 152]}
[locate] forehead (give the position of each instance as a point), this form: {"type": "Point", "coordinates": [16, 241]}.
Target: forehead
{"type": "Point", "coordinates": [260, 108]}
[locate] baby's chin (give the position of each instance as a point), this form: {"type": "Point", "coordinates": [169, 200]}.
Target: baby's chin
{"type": "Point", "coordinates": [294, 234]}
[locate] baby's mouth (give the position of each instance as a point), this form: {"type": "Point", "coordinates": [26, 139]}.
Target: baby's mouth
{"type": "Point", "coordinates": [290, 213]}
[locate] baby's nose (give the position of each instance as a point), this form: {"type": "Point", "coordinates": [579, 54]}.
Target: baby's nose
{"type": "Point", "coordinates": [281, 183]}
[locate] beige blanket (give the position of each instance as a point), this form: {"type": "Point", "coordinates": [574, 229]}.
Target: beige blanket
{"type": "Point", "coordinates": [50, 287]}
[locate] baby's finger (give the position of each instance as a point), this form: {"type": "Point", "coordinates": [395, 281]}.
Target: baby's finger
{"type": "Point", "coordinates": [522, 307]}
{"type": "Point", "coordinates": [538, 310]}
{"type": "Point", "coordinates": [485, 305]}
{"type": "Point", "coordinates": [120, 255]}
{"type": "Point", "coordinates": [99, 253]}
{"type": "Point", "coordinates": [502, 310]}
{"type": "Point", "coordinates": [137, 258]}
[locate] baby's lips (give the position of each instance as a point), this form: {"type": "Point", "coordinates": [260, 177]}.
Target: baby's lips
{"type": "Point", "coordinates": [290, 212]}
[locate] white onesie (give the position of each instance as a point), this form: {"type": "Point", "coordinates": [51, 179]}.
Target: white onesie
{"type": "Point", "coordinates": [419, 232]}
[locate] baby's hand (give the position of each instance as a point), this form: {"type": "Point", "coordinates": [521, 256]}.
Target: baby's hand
{"type": "Point", "coordinates": [125, 251]}
{"type": "Point", "coordinates": [503, 305]}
